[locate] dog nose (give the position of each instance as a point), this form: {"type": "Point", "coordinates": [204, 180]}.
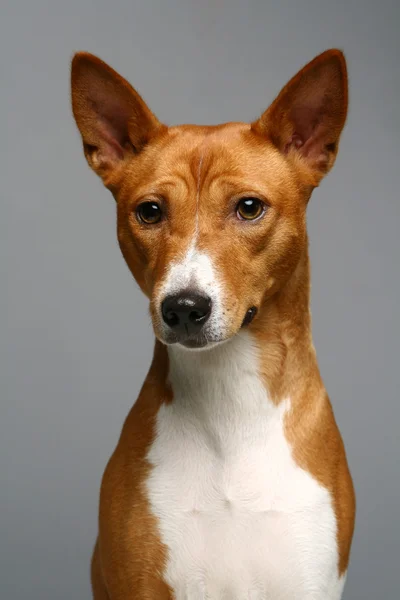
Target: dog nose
{"type": "Point", "coordinates": [186, 313]}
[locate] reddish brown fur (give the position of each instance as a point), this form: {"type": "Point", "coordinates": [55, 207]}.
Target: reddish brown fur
{"type": "Point", "coordinates": [280, 158]}
{"type": "Point", "coordinates": [128, 554]}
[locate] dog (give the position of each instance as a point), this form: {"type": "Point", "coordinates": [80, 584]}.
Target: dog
{"type": "Point", "coordinates": [230, 478]}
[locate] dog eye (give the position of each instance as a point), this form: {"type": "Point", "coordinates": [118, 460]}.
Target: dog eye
{"type": "Point", "coordinates": [149, 212]}
{"type": "Point", "coordinates": [250, 208]}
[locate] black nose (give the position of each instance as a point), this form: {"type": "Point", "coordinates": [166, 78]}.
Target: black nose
{"type": "Point", "coordinates": [186, 313]}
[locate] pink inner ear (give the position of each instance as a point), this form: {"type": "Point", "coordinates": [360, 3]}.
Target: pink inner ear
{"type": "Point", "coordinates": [313, 148]}
{"type": "Point", "coordinates": [305, 120]}
{"type": "Point", "coordinates": [307, 117]}
{"type": "Point", "coordinates": [112, 116]}
{"type": "Point", "coordinates": [310, 118]}
{"type": "Point", "coordinates": [110, 148]}
{"type": "Point", "coordinates": [294, 141]}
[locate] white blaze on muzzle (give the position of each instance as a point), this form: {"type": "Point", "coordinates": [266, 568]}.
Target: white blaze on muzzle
{"type": "Point", "coordinates": [195, 273]}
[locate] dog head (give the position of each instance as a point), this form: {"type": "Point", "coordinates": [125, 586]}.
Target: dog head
{"type": "Point", "coordinates": [211, 220]}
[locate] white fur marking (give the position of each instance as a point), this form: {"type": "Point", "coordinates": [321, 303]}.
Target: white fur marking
{"type": "Point", "coordinates": [196, 271]}
{"type": "Point", "coordinates": [240, 519]}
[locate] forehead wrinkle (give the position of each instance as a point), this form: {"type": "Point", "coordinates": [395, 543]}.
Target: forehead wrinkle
{"type": "Point", "coordinates": [222, 161]}
{"type": "Point", "coordinates": [171, 181]}
{"type": "Point", "coordinates": [200, 151]}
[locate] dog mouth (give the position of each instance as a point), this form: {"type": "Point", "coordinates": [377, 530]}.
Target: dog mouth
{"type": "Point", "coordinates": [193, 342]}
{"type": "Point", "coordinates": [196, 343]}
{"type": "Point", "coordinates": [204, 338]}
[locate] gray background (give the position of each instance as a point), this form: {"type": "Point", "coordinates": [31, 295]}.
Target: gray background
{"type": "Point", "coordinates": [75, 336]}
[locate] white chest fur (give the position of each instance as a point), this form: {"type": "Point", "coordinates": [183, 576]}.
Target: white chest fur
{"type": "Point", "coordinates": [239, 518]}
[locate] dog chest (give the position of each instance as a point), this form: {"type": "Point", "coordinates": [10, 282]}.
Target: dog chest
{"type": "Point", "coordinates": [238, 517]}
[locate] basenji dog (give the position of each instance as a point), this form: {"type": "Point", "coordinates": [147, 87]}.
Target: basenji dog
{"type": "Point", "coordinates": [230, 479]}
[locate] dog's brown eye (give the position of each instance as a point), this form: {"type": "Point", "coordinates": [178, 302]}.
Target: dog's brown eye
{"type": "Point", "coordinates": [149, 212]}
{"type": "Point", "coordinates": [250, 208]}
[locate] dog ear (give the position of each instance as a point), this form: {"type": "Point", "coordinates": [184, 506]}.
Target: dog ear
{"type": "Point", "coordinates": [113, 119]}
{"type": "Point", "coordinates": [307, 117]}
